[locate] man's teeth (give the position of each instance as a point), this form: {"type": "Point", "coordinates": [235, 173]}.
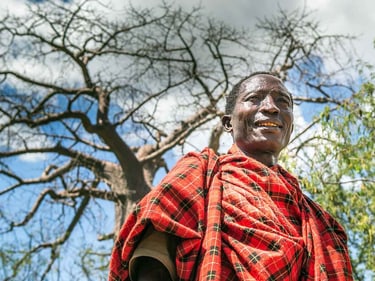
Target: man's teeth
{"type": "Point", "coordinates": [267, 124]}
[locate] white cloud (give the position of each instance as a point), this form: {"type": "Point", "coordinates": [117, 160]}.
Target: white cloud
{"type": "Point", "coordinates": [18, 137]}
{"type": "Point", "coordinates": [350, 18]}
{"type": "Point", "coordinates": [15, 7]}
{"type": "Point", "coordinates": [342, 16]}
{"type": "Point", "coordinates": [33, 157]}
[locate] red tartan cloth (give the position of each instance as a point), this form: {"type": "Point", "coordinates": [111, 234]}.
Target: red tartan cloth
{"type": "Point", "coordinates": [237, 220]}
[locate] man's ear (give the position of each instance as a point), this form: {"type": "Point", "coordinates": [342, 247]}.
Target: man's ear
{"type": "Point", "coordinates": [226, 120]}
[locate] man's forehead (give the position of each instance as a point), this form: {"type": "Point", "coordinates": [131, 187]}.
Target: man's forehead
{"type": "Point", "coordinates": [264, 82]}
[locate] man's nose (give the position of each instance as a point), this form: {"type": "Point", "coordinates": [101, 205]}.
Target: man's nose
{"type": "Point", "coordinates": [268, 105]}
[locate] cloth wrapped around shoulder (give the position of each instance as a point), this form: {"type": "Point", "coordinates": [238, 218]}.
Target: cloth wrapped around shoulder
{"type": "Point", "coordinates": [236, 219]}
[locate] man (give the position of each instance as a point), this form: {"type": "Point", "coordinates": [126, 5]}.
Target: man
{"type": "Point", "coordinates": [238, 216]}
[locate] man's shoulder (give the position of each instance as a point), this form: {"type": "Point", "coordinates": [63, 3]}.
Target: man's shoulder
{"type": "Point", "coordinates": [205, 154]}
{"type": "Point", "coordinates": [204, 160]}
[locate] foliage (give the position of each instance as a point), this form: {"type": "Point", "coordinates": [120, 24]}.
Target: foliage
{"type": "Point", "coordinates": [342, 174]}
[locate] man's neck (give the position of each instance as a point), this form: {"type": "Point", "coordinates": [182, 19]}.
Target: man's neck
{"type": "Point", "coordinates": [268, 159]}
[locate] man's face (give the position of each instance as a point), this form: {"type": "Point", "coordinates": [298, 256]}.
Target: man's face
{"type": "Point", "coordinates": [262, 119]}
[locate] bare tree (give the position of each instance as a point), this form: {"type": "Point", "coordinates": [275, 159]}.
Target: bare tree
{"type": "Point", "coordinates": [101, 99]}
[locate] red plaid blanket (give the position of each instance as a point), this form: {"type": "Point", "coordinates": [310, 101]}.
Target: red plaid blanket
{"type": "Point", "coordinates": [237, 219]}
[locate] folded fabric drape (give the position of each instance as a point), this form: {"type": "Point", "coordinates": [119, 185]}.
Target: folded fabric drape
{"type": "Point", "coordinates": [237, 219]}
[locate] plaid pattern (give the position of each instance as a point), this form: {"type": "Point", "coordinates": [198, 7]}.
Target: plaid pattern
{"type": "Point", "coordinates": [237, 220]}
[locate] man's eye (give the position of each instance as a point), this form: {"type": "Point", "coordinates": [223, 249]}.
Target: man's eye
{"type": "Point", "coordinates": [284, 101]}
{"type": "Point", "coordinates": [253, 98]}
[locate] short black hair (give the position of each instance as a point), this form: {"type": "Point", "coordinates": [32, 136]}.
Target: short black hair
{"type": "Point", "coordinates": [233, 95]}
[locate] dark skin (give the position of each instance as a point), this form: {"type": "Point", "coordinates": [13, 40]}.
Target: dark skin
{"type": "Point", "coordinates": [262, 119]}
{"type": "Point", "coordinates": [261, 125]}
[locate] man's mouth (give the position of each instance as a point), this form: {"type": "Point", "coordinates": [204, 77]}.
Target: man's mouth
{"type": "Point", "coordinates": [268, 124]}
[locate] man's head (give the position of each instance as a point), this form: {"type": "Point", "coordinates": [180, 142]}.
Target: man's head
{"type": "Point", "coordinates": [259, 115]}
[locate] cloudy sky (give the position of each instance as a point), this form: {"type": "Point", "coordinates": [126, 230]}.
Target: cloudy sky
{"type": "Point", "coordinates": [345, 17]}
{"type": "Point", "coordinates": [336, 16]}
